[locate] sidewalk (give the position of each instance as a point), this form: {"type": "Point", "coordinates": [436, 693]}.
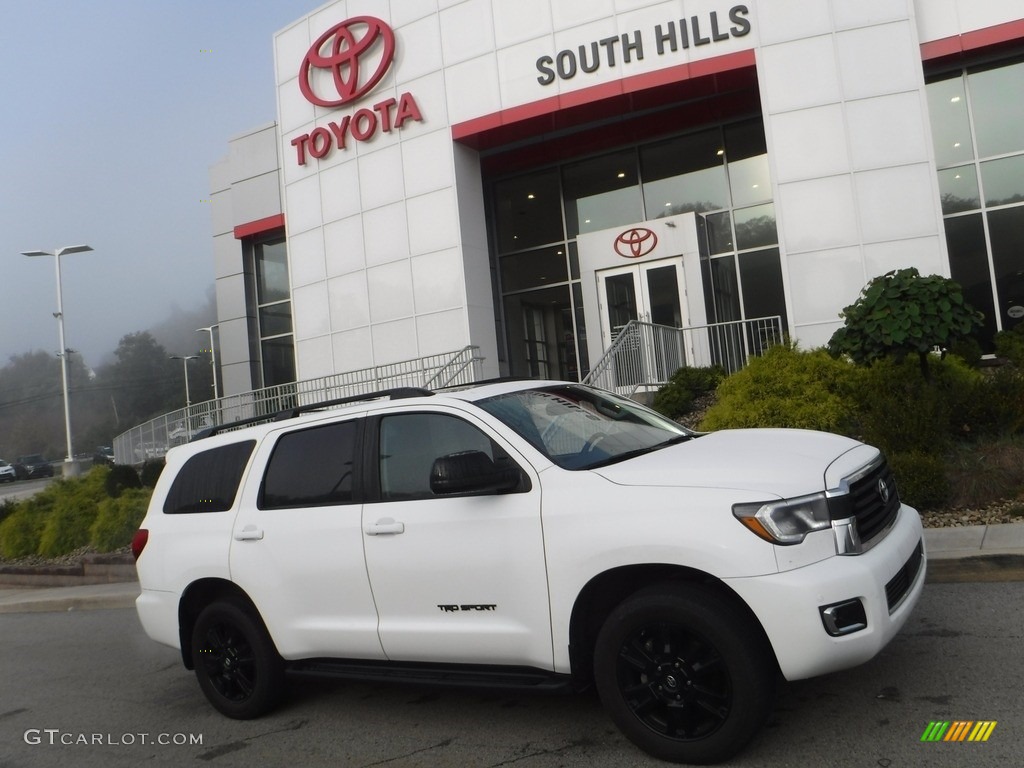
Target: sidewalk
{"type": "Point", "coordinates": [971, 553]}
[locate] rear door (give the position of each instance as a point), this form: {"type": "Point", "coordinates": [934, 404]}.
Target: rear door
{"type": "Point", "coordinates": [297, 546]}
{"type": "Point", "coordinates": [457, 578]}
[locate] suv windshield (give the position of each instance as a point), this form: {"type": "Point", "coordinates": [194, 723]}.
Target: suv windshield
{"type": "Point", "coordinates": [581, 428]}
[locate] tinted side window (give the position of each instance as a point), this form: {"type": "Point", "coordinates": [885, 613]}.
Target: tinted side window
{"type": "Point", "coordinates": [410, 443]}
{"type": "Point", "coordinates": [311, 467]}
{"type": "Point", "coordinates": [208, 481]}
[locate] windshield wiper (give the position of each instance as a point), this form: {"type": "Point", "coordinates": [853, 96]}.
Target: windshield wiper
{"type": "Point", "coordinates": [640, 451]}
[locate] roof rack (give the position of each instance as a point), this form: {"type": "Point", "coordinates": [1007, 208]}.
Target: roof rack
{"type": "Point", "coordinates": [397, 393]}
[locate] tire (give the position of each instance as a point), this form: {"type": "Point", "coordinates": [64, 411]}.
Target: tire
{"type": "Point", "coordinates": [236, 663]}
{"type": "Point", "coordinates": [684, 673]}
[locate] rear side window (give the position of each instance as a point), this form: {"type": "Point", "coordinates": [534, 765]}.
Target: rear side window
{"type": "Point", "coordinates": [311, 467]}
{"type": "Point", "coordinates": [208, 482]}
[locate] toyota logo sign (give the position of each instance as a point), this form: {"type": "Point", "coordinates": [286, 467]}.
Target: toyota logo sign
{"type": "Point", "coordinates": [348, 50]}
{"type": "Point", "coordinates": [636, 242]}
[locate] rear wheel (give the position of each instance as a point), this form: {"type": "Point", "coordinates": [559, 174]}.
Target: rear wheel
{"type": "Point", "coordinates": [236, 663]}
{"type": "Point", "coordinates": [685, 674]}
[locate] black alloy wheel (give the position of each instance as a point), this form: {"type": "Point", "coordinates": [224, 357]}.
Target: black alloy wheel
{"type": "Point", "coordinates": [236, 663]}
{"type": "Point", "coordinates": [685, 673]}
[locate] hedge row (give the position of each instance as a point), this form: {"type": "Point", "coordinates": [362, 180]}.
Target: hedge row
{"type": "Point", "coordinates": [101, 510]}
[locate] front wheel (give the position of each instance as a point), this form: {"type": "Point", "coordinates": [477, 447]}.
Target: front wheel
{"type": "Point", "coordinates": [236, 663]}
{"type": "Point", "coordinates": [685, 674]}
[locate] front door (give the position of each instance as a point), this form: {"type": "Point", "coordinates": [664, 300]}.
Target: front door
{"type": "Point", "coordinates": [651, 292]}
{"type": "Point", "coordinates": [460, 578]}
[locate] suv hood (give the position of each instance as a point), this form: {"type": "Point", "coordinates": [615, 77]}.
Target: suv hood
{"type": "Point", "coordinates": [780, 462]}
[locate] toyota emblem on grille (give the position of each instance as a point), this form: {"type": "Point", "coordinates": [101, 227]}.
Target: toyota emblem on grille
{"type": "Point", "coordinates": [883, 491]}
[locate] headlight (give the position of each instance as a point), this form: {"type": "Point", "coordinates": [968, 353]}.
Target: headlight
{"type": "Point", "coordinates": [786, 521]}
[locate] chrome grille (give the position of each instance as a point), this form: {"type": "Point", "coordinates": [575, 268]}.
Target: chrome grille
{"type": "Point", "coordinates": [874, 508]}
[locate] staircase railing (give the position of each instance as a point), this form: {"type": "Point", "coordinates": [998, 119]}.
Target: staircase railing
{"type": "Point", "coordinates": [154, 438]}
{"type": "Point", "coordinates": [645, 355]}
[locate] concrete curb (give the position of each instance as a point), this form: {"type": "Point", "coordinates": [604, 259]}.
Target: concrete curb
{"type": "Point", "coordinates": [60, 599]}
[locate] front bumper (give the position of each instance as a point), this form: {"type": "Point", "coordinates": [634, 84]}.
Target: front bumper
{"type": "Point", "coordinates": [789, 604]}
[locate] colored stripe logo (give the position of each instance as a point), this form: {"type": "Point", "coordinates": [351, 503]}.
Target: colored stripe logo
{"type": "Point", "coordinates": [958, 730]}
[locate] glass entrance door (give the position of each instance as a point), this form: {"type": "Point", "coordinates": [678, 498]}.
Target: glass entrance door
{"type": "Point", "coordinates": [651, 292]}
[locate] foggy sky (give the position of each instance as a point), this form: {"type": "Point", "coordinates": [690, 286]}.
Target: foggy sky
{"type": "Point", "coordinates": [111, 113]}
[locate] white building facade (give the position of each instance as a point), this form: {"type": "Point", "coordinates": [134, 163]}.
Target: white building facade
{"type": "Point", "coordinates": [525, 177]}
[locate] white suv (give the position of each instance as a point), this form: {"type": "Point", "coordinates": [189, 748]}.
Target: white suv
{"type": "Point", "coordinates": [531, 534]}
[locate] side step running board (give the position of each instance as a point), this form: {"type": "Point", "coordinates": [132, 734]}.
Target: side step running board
{"type": "Point", "coordinates": [456, 675]}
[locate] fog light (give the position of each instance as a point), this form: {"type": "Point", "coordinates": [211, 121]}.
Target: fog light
{"type": "Point", "coordinates": [844, 618]}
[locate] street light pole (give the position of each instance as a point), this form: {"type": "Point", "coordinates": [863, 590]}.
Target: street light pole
{"type": "Point", "coordinates": [213, 359]}
{"type": "Point", "coordinates": [184, 364]}
{"type": "Point", "coordinates": [59, 314]}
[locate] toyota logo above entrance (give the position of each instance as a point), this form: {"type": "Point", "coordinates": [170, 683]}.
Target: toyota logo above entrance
{"type": "Point", "coordinates": [636, 242]}
{"type": "Point", "coordinates": [357, 53]}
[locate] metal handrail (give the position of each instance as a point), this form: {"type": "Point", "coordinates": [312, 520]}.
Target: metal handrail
{"type": "Point", "coordinates": [645, 355]}
{"type": "Point", "coordinates": [150, 441]}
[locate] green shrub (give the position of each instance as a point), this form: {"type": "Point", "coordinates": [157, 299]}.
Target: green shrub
{"type": "Point", "coordinates": [7, 507]}
{"type": "Point", "coordinates": [118, 519]}
{"type": "Point", "coordinates": [786, 387]}
{"type": "Point", "coordinates": [119, 477]}
{"type": "Point", "coordinates": [20, 532]}
{"type": "Point", "coordinates": [151, 472]}
{"type": "Point", "coordinates": [74, 508]}
{"type": "Point", "coordinates": [676, 398]}
{"type": "Point", "coordinates": [900, 411]}
{"type": "Point", "coordinates": [1010, 344]}
{"type": "Point", "coordinates": [921, 479]}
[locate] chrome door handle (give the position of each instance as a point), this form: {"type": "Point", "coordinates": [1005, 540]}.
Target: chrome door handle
{"type": "Point", "coordinates": [249, 533]}
{"type": "Point", "coordinates": [385, 525]}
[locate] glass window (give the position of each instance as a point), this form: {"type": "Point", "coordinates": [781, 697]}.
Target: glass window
{"type": "Point", "coordinates": [311, 467]}
{"type": "Point", "coordinates": [272, 271]}
{"type": "Point", "coordinates": [755, 227]}
{"type": "Point", "coordinates": [1003, 180]}
{"type": "Point", "coordinates": [685, 174]}
{"type": "Point", "coordinates": [721, 289]}
{"type": "Point", "coordinates": [208, 481]}
{"type": "Point", "coordinates": [602, 193]}
{"type": "Point", "coordinates": [278, 360]}
{"type": "Point", "coordinates": [968, 264]}
{"type": "Point", "coordinates": [761, 276]}
{"type": "Point", "coordinates": [747, 153]}
{"type": "Point", "coordinates": [534, 269]}
{"type": "Point", "coordinates": [958, 188]}
{"type": "Point", "coordinates": [276, 319]}
{"type": "Point", "coordinates": [951, 124]}
{"type": "Point", "coordinates": [1006, 230]}
{"type": "Point", "coordinates": [411, 442]}
{"type": "Point", "coordinates": [540, 333]}
{"type": "Point", "coordinates": [998, 108]}
{"type": "Point", "coordinates": [528, 211]}
{"type": "Point", "coordinates": [719, 232]}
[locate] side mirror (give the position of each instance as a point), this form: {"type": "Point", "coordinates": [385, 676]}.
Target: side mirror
{"type": "Point", "coordinates": [471, 472]}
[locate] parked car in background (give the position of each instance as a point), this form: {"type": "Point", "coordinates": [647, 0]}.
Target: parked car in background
{"type": "Point", "coordinates": [7, 473]}
{"type": "Point", "coordinates": [29, 467]}
{"type": "Point", "coordinates": [103, 455]}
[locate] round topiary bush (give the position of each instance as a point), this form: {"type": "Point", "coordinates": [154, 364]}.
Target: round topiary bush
{"type": "Point", "coordinates": [786, 387]}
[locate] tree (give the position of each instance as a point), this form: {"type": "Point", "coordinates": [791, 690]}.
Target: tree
{"type": "Point", "coordinates": [901, 313]}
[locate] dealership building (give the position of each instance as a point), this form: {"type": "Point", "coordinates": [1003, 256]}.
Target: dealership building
{"type": "Point", "coordinates": [523, 178]}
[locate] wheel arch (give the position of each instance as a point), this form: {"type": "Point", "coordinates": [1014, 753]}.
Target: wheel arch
{"type": "Point", "coordinates": [197, 596]}
{"type": "Point", "coordinates": [607, 590]}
